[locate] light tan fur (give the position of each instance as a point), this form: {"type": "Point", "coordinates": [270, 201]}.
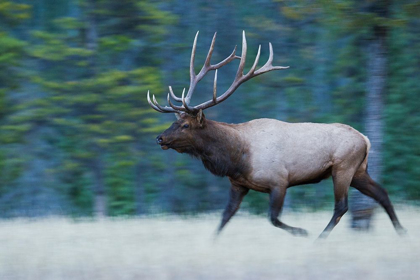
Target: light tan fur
{"type": "Point", "coordinates": [289, 154]}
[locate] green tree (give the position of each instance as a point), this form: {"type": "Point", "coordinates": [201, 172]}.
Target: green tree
{"type": "Point", "coordinates": [12, 52]}
{"type": "Point", "coordinates": [95, 100]}
{"type": "Point", "coordinates": [401, 149]}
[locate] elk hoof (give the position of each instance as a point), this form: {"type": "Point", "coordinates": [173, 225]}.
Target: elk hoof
{"type": "Point", "coordinates": [299, 232]}
{"type": "Point", "coordinates": [402, 231]}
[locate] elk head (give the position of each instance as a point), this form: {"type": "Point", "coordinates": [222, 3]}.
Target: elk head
{"type": "Point", "coordinates": [181, 135]}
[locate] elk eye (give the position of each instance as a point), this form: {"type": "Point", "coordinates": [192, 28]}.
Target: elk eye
{"type": "Point", "coordinates": [186, 126]}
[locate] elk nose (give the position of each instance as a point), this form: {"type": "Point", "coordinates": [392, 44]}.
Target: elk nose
{"type": "Point", "coordinates": [159, 140]}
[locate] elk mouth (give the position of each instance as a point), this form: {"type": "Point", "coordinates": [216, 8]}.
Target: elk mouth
{"type": "Point", "coordinates": [166, 146]}
{"type": "Point", "coordinates": [163, 145]}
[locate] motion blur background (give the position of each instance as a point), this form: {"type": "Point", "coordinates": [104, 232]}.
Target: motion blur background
{"type": "Point", "coordinates": [77, 136]}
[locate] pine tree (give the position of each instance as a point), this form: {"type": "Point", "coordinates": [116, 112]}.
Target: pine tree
{"type": "Point", "coordinates": [98, 100]}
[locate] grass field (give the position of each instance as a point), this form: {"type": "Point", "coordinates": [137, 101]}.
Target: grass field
{"type": "Point", "coordinates": [171, 247]}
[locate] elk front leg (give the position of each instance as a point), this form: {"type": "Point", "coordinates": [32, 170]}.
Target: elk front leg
{"type": "Point", "coordinates": [236, 195]}
{"type": "Point", "coordinates": [276, 204]}
{"type": "Point", "coordinates": [340, 208]}
{"type": "Point", "coordinates": [341, 181]}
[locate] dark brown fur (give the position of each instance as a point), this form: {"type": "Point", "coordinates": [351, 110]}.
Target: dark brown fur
{"type": "Point", "coordinates": [221, 151]}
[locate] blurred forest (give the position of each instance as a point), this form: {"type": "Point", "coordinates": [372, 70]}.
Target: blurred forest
{"type": "Point", "coordinates": [77, 136]}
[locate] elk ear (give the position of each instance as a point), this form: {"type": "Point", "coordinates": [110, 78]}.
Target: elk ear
{"type": "Point", "coordinates": [200, 117]}
{"type": "Point", "coordinates": [177, 115]}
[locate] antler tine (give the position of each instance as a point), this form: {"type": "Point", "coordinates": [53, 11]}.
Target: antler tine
{"type": "Point", "coordinates": [225, 61]}
{"type": "Point", "coordinates": [209, 54]}
{"type": "Point", "coordinates": [215, 87]}
{"type": "Point", "coordinates": [164, 109]}
{"type": "Point", "coordinates": [174, 96]}
{"type": "Point", "coordinates": [183, 92]}
{"type": "Point", "coordinates": [257, 58]}
{"type": "Point", "coordinates": [268, 66]}
{"type": "Point", "coordinates": [185, 104]}
{"type": "Point", "coordinates": [193, 80]}
{"type": "Point", "coordinates": [192, 72]}
{"type": "Point", "coordinates": [151, 104]}
{"type": "Point", "coordinates": [175, 107]}
{"type": "Point", "coordinates": [270, 57]}
{"type": "Point", "coordinates": [240, 72]}
{"type": "Point", "coordinates": [155, 105]}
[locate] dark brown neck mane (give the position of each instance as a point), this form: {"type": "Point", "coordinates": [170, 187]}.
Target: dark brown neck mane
{"type": "Point", "coordinates": [219, 147]}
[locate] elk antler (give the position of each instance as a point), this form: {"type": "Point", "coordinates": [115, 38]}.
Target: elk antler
{"type": "Point", "coordinates": [194, 79]}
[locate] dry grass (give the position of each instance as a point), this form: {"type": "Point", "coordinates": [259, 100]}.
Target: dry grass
{"type": "Point", "coordinates": [184, 248]}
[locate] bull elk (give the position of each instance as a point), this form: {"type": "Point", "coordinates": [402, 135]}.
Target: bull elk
{"type": "Point", "coordinates": [268, 155]}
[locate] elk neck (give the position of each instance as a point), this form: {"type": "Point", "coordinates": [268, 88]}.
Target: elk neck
{"type": "Point", "coordinates": [221, 149]}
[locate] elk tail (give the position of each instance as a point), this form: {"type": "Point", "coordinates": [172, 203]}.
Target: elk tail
{"type": "Point", "coordinates": [365, 161]}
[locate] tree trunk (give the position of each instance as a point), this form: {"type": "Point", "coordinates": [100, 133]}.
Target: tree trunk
{"type": "Point", "coordinates": [363, 206]}
{"type": "Point", "coordinates": [99, 201]}
{"type": "Point", "coordinates": [139, 192]}
{"type": "Point", "coordinates": [91, 36]}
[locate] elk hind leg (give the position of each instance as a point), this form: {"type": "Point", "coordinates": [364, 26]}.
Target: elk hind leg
{"type": "Point", "coordinates": [366, 185]}
{"type": "Point", "coordinates": [276, 204]}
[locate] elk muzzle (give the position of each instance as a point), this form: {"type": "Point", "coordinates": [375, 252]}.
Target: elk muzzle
{"type": "Point", "coordinates": [160, 141]}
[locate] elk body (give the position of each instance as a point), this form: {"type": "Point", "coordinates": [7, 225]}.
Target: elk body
{"type": "Point", "coordinates": [268, 155]}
